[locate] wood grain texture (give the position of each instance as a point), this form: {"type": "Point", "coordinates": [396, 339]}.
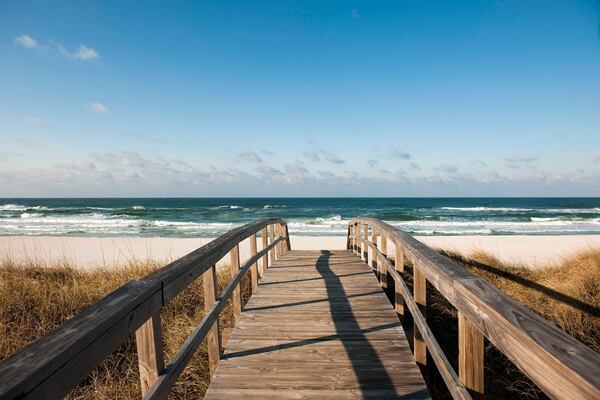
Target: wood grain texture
{"type": "Point", "coordinates": [470, 356]}
{"type": "Point", "coordinates": [254, 267]}
{"type": "Point", "coordinates": [560, 365]}
{"type": "Point", "coordinates": [148, 340]}
{"type": "Point", "coordinates": [236, 298]}
{"type": "Point", "coordinates": [420, 296]}
{"type": "Point", "coordinates": [209, 282]}
{"type": "Point", "coordinates": [399, 266]}
{"type": "Point", "coordinates": [318, 326]}
{"type": "Point", "coordinates": [265, 258]}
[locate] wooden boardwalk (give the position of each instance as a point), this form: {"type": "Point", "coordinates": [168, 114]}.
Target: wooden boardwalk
{"type": "Point", "coordinates": [319, 326]}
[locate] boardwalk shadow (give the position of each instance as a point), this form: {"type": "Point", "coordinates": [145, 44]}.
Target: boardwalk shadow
{"type": "Point", "coordinates": [372, 375]}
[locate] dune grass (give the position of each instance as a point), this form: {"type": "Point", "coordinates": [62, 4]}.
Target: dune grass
{"type": "Point", "coordinates": [34, 299]}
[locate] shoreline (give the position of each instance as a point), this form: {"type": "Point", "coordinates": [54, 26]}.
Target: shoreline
{"type": "Point", "coordinates": [108, 252]}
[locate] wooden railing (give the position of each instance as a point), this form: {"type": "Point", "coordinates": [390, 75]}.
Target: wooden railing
{"type": "Point", "coordinates": [52, 366]}
{"type": "Point", "coordinates": [560, 365]}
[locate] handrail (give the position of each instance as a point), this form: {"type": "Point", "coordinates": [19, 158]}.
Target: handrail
{"type": "Point", "coordinates": [53, 365]}
{"type": "Point", "coordinates": [560, 365]}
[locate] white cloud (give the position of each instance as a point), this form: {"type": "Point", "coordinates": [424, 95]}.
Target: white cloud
{"type": "Point", "coordinates": [399, 153]}
{"type": "Point", "coordinates": [372, 163]}
{"type": "Point", "coordinates": [81, 53]}
{"type": "Point", "coordinates": [249, 156]}
{"type": "Point", "coordinates": [597, 159]}
{"type": "Point", "coordinates": [98, 108]}
{"type": "Point", "coordinates": [26, 41]}
{"type": "Point", "coordinates": [86, 53]}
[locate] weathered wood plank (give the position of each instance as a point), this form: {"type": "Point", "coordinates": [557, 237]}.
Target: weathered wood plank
{"type": "Point", "coordinates": [148, 339]}
{"type": "Point", "coordinates": [254, 267]}
{"type": "Point", "coordinates": [209, 282]}
{"type": "Point", "coordinates": [470, 356]}
{"type": "Point", "coordinates": [318, 323]}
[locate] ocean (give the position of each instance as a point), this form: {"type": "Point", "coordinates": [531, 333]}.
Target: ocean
{"type": "Point", "coordinates": [210, 217]}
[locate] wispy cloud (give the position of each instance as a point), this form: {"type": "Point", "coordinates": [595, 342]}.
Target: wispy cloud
{"type": "Point", "coordinates": [266, 152]}
{"type": "Point", "coordinates": [311, 156]}
{"type": "Point", "coordinates": [399, 153]}
{"type": "Point", "coordinates": [98, 108]}
{"type": "Point", "coordinates": [81, 53]}
{"type": "Point", "coordinates": [520, 161]}
{"type": "Point", "coordinates": [597, 158]}
{"type": "Point", "coordinates": [372, 163]}
{"type": "Point", "coordinates": [34, 120]}
{"type": "Point", "coordinates": [415, 166]}
{"type": "Point", "coordinates": [26, 41]}
{"type": "Point", "coordinates": [249, 156]}
{"type": "Point", "coordinates": [332, 158]}
{"type": "Point", "coordinates": [355, 14]}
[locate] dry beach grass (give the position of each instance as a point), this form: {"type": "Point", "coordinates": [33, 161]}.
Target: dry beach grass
{"type": "Point", "coordinates": [35, 299]}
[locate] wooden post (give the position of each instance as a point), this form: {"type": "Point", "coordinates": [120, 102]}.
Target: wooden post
{"type": "Point", "coordinates": [420, 296]}
{"type": "Point", "coordinates": [213, 341]}
{"type": "Point", "coordinates": [265, 257]}
{"type": "Point", "coordinates": [374, 241]}
{"type": "Point", "coordinates": [272, 237]}
{"type": "Point", "coordinates": [383, 275]}
{"type": "Point", "coordinates": [148, 340]}
{"type": "Point", "coordinates": [470, 356]}
{"type": "Point", "coordinates": [399, 266]}
{"type": "Point", "coordinates": [280, 244]}
{"type": "Point", "coordinates": [254, 267]}
{"type": "Point", "coordinates": [287, 239]}
{"type": "Point", "coordinates": [365, 247]}
{"type": "Point", "coordinates": [357, 231]}
{"type": "Point", "coordinates": [236, 297]}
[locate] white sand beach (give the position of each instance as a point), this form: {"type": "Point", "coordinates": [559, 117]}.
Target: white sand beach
{"type": "Point", "coordinates": [94, 252]}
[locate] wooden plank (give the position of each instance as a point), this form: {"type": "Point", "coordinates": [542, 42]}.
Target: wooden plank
{"type": "Point", "coordinates": [383, 271]}
{"type": "Point", "coordinates": [365, 248]}
{"type": "Point", "coordinates": [209, 282]}
{"type": "Point", "coordinates": [318, 324]}
{"type": "Point", "coordinates": [374, 243]}
{"type": "Point", "coordinates": [254, 268]}
{"type": "Point", "coordinates": [265, 258]}
{"type": "Point", "coordinates": [399, 266]}
{"type": "Point", "coordinates": [148, 340]}
{"type": "Point", "coordinates": [420, 296]}
{"type": "Point", "coordinates": [236, 298]}
{"type": "Point", "coordinates": [470, 356]}
{"type": "Point", "coordinates": [272, 239]}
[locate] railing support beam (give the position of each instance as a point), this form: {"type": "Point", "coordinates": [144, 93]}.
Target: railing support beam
{"type": "Point", "coordinates": [148, 339]}
{"type": "Point", "coordinates": [236, 298]}
{"type": "Point", "coordinates": [209, 282]}
{"type": "Point", "coordinates": [470, 356]}
{"type": "Point", "coordinates": [420, 295]}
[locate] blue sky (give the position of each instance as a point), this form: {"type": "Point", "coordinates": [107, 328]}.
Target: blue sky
{"type": "Point", "coordinates": [399, 98]}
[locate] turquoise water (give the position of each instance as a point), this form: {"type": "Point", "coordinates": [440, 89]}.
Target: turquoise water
{"type": "Point", "coordinates": [193, 217]}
